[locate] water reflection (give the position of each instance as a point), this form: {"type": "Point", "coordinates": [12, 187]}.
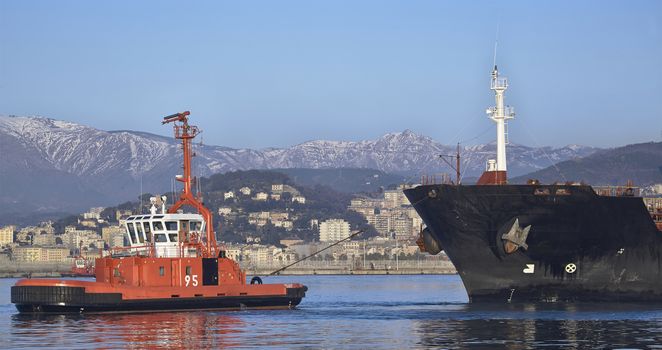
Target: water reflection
{"type": "Point", "coordinates": [352, 312]}
{"type": "Point", "coordinates": [357, 325]}
{"type": "Point", "coordinates": [171, 330]}
{"type": "Point", "coordinates": [534, 326]}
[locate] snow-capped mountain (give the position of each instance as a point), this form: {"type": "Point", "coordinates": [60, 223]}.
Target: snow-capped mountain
{"type": "Point", "coordinates": [51, 164]}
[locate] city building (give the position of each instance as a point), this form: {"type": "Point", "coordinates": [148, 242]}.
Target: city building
{"type": "Point", "coordinates": [286, 224]}
{"type": "Point", "coordinates": [291, 241]}
{"type": "Point", "coordinates": [281, 219]}
{"type": "Point", "coordinates": [352, 249]}
{"type": "Point", "coordinates": [277, 188]}
{"type": "Point", "coordinates": [258, 218]}
{"type": "Point", "coordinates": [40, 254]}
{"type": "Point", "coordinates": [47, 227]}
{"type": "Point", "coordinates": [392, 216]}
{"type": "Point", "coordinates": [253, 239]}
{"type": "Point", "coordinates": [278, 216]}
{"type": "Point", "coordinates": [43, 239]}
{"type": "Point", "coordinates": [108, 232]}
{"type": "Point", "coordinates": [93, 214]}
{"type": "Point", "coordinates": [334, 230]}
{"type": "Point", "coordinates": [233, 252]}
{"type": "Point", "coordinates": [7, 235]}
{"type": "Point", "coordinates": [91, 223]}
{"type": "Point", "coordinates": [392, 198]}
{"type": "Point", "coordinates": [116, 240]}
{"type": "Point", "coordinates": [261, 196]}
{"type": "Point", "coordinates": [91, 254]}
{"type": "Point", "coordinates": [25, 234]}
{"type": "Point", "coordinates": [122, 214]}
{"type": "Point", "coordinates": [282, 256]}
{"type": "Point", "coordinates": [224, 211]}
{"type": "Point", "coordinates": [27, 253]}
{"type": "Point", "coordinates": [54, 254]}
{"type": "Point", "coordinates": [228, 195]}
{"type": "Point", "coordinates": [75, 239]}
{"type": "Point", "coordinates": [245, 191]}
{"type": "Point", "coordinates": [299, 199]}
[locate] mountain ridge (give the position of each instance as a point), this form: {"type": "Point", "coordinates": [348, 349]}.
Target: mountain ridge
{"type": "Point", "coordinates": [110, 165]}
{"type": "Point", "coordinates": [640, 163]}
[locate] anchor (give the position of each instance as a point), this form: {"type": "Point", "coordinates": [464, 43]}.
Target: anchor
{"type": "Point", "coordinates": [515, 238]}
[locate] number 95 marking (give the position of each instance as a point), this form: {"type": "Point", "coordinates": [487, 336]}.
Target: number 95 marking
{"type": "Point", "coordinates": [191, 280]}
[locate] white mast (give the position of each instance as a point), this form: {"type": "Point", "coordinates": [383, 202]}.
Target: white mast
{"type": "Point", "coordinates": [499, 114]}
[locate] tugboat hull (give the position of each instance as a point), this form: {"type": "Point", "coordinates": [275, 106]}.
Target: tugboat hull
{"type": "Point", "coordinates": [45, 296]}
{"type": "Point", "coordinates": [534, 243]}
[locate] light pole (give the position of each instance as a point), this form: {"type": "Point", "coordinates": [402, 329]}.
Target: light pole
{"type": "Point", "coordinates": [397, 261]}
{"type": "Point", "coordinates": [364, 241]}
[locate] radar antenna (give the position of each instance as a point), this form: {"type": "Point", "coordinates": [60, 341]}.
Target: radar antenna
{"type": "Point", "coordinates": [496, 43]}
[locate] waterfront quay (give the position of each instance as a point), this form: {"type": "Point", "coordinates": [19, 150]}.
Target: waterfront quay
{"type": "Point", "coordinates": [371, 267]}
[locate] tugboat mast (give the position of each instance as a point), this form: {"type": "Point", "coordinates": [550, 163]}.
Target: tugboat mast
{"type": "Point", "coordinates": [186, 133]}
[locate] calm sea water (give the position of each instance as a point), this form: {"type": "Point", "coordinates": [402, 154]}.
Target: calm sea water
{"type": "Point", "coordinates": [351, 312]}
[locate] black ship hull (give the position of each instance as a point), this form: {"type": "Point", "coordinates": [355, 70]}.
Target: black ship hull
{"type": "Point", "coordinates": [577, 246]}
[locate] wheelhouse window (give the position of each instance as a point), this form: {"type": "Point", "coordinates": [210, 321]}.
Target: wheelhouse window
{"type": "Point", "coordinates": [139, 231]}
{"type": "Point", "coordinates": [160, 238]}
{"type": "Point", "coordinates": [171, 225]}
{"type": "Point", "coordinates": [132, 232]}
{"type": "Point", "coordinates": [158, 225]}
{"type": "Point", "coordinates": [173, 237]}
{"type": "Point", "coordinates": [184, 225]}
{"type": "Point", "coordinates": [196, 225]}
{"type": "Point", "coordinates": [148, 231]}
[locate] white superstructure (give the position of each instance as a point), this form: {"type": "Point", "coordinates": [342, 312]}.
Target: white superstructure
{"type": "Point", "coordinates": [499, 114]}
{"type": "Point", "coordinates": [164, 231]}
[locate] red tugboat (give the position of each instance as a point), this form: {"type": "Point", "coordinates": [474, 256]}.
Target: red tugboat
{"type": "Point", "coordinates": [173, 262]}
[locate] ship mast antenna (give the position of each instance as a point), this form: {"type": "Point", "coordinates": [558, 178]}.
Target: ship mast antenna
{"type": "Point", "coordinates": [185, 132]}
{"type": "Point", "coordinates": [496, 170]}
{"type": "Point", "coordinates": [496, 43]}
{"type": "Point", "coordinates": [500, 114]}
{"type": "Point", "coordinates": [455, 167]}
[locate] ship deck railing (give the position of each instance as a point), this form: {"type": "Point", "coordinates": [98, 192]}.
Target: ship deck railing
{"type": "Point", "coordinates": [123, 252]}
{"type": "Point", "coordinates": [617, 191]}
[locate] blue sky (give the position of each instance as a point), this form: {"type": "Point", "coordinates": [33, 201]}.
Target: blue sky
{"type": "Point", "coordinates": [277, 73]}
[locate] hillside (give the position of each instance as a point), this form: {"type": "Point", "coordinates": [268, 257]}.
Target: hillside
{"type": "Point", "coordinates": [641, 163]}
{"type": "Point", "coordinates": [321, 203]}
{"type": "Point", "coordinates": [347, 180]}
